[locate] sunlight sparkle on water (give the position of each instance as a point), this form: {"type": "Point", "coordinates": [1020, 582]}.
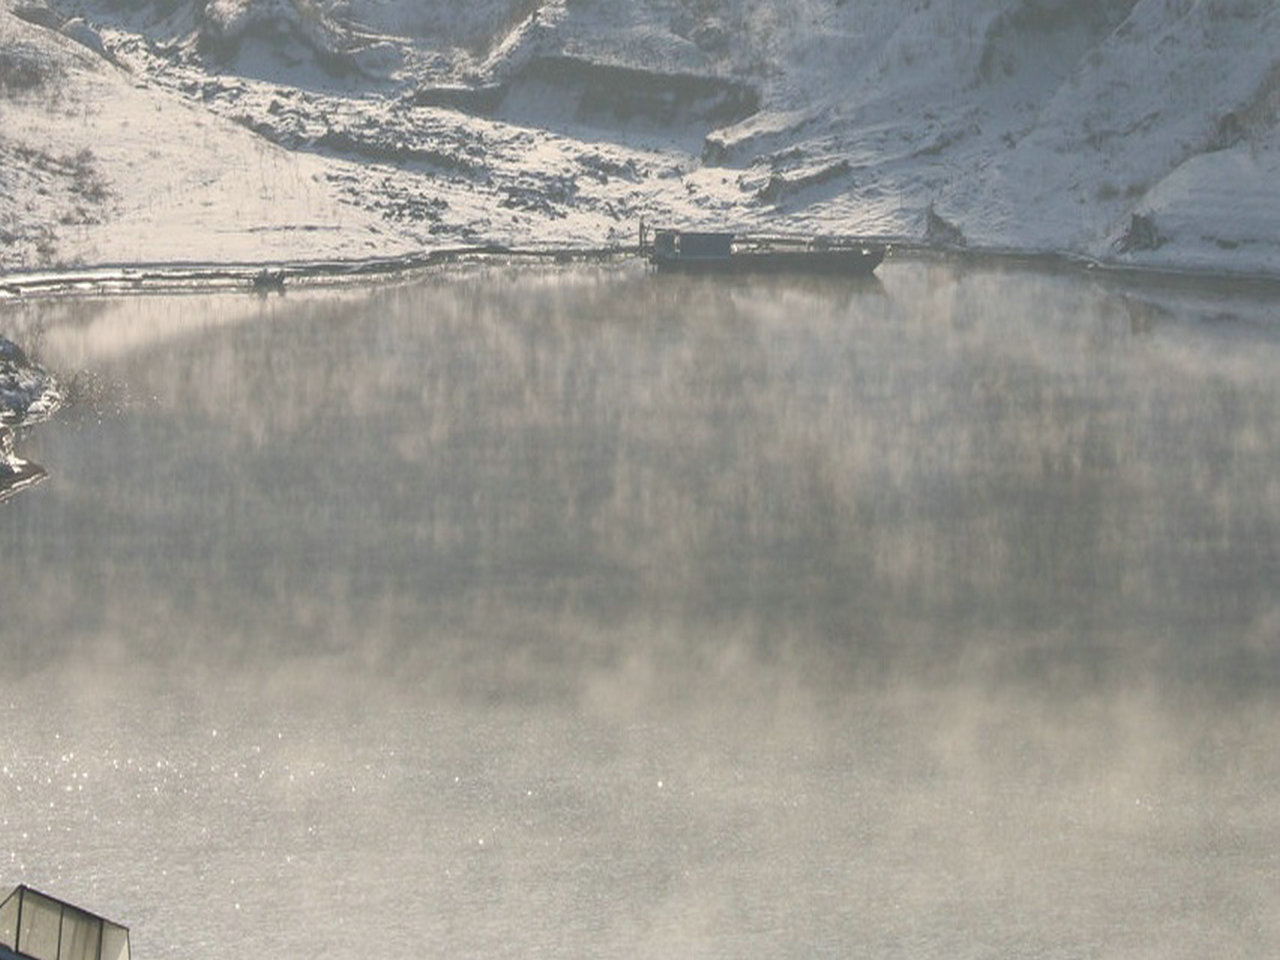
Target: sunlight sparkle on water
{"type": "Point", "coordinates": [506, 612]}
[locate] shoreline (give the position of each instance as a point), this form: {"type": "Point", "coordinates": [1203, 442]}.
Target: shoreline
{"type": "Point", "coordinates": [264, 277]}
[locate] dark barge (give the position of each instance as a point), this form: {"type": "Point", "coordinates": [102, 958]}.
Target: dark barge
{"type": "Point", "coordinates": [699, 252]}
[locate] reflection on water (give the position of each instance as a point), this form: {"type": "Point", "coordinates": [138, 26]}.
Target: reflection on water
{"type": "Point", "coordinates": [27, 395]}
{"type": "Point", "coordinates": [587, 612]}
{"type": "Point", "coordinates": [16, 474]}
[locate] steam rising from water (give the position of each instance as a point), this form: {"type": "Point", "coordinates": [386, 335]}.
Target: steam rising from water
{"type": "Point", "coordinates": [590, 613]}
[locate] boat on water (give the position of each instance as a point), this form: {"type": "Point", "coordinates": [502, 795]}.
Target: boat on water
{"type": "Point", "coordinates": [702, 252]}
{"type": "Point", "coordinates": [36, 926]}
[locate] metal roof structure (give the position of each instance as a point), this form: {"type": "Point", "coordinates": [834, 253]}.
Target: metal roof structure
{"type": "Point", "coordinates": [36, 926]}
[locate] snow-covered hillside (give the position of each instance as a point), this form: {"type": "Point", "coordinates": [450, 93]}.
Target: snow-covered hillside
{"type": "Point", "coordinates": [260, 130]}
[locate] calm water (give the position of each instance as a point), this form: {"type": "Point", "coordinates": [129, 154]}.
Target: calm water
{"type": "Point", "coordinates": [583, 613]}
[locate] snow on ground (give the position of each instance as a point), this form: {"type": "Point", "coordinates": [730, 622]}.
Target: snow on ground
{"type": "Point", "coordinates": [100, 167]}
{"type": "Point", "coordinates": [155, 131]}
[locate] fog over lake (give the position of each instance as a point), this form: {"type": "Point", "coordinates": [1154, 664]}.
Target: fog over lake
{"type": "Point", "coordinates": [582, 612]}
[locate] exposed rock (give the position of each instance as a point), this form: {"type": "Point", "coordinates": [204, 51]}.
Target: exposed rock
{"type": "Point", "coordinates": [40, 15]}
{"type": "Point", "coordinates": [781, 186]}
{"type": "Point", "coordinates": [938, 230]}
{"type": "Point", "coordinates": [1141, 234]}
{"type": "Point", "coordinates": [602, 95]}
{"type": "Point", "coordinates": [78, 29]}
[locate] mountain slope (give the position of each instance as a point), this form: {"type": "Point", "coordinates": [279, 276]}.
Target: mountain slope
{"type": "Point", "coordinates": [1140, 130]}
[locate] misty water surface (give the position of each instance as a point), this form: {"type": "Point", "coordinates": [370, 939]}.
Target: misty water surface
{"type": "Point", "coordinates": [586, 613]}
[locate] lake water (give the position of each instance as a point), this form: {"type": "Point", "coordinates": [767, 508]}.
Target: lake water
{"type": "Point", "coordinates": [531, 612]}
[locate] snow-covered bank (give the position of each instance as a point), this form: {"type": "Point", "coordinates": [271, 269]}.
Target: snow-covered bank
{"type": "Point", "coordinates": [1144, 132]}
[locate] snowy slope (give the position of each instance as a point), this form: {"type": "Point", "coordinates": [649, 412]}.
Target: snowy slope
{"type": "Point", "coordinates": [1136, 130]}
{"type": "Point", "coordinates": [101, 167]}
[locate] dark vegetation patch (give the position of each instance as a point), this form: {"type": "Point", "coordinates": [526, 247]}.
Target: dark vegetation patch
{"type": "Point", "coordinates": [394, 199]}
{"type": "Point", "coordinates": [603, 169]}
{"type": "Point", "coordinates": [70, 192]}
{"type": "Point", "coordinates": [546, 194]}
{"type": "Point", "coordinates": [24, 68]}
{"type": "Point", "coordinates": [352, 143]}
{"type": "Point", "coordinates": [78, 171]}
{"type": "Point", "coordinates": [394, 143]}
